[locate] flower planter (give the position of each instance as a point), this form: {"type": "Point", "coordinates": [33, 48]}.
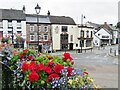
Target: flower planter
{"type": "Point", "coordinates": [28, 69]}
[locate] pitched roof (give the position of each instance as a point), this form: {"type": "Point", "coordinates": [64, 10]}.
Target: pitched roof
{"type": "Point", "coordinates": [12, 14]}
{"type": "Point", "coordinates": [61, 20]}
{"type": "Point", "coordinates": [113, 27]}
{"type": "Point", "coordinates": [32, 18]}
{"type": "Point", "coordinates": [96, 26]}
{"type": "Point", "coordinates": [107, 30]}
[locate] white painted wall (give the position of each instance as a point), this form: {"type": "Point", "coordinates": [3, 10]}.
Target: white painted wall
{"type": "Point", "coordinates": [103, 32]}
{"type": "Point", "coordinates": [115, 36]}
{"type": "Point", "coordinates": [96, 41]}
{"type": "Point", "coordinates": [56, 31]}
{"type": "Point", "coordinates": [98, 36]}
{"type": "Point", "coordinates": [85, 29]}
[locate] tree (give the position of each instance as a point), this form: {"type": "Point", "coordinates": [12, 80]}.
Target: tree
{"type": "Point", "coordinates": [118, 25]}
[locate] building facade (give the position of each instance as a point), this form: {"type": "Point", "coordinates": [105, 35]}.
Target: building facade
{"type": "Point", "coordinates": [85, 37]}
{"type": "Point", "coordinates": [43, 28]}
{"type": "Point", "coordinates": [12, 23]}
{"type": "Point", "coordinates": [102, 37]}
{"type": "Point", "coordinates": [64, 33]}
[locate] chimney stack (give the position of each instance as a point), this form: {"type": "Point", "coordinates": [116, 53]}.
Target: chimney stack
{"type": "Point", "coordinates": [23, 8]}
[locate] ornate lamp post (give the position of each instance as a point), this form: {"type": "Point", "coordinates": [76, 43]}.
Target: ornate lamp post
{"type": "Point", "coordinates": [12, 36]}
{"type": "Point", "coordinates": [37, 9]}
{"type": "Point", "coordinates": [82, 33]}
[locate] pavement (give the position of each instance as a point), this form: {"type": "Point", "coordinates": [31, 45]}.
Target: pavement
{"type": "Point", "coordinates": [101, 63]}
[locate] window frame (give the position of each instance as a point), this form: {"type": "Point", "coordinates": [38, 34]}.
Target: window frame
{"type": "Point", "coordinates": [31, 37]}
{"type": "Point", "coordinates": [32, 28]}
{"type": "Point", "coordinates": [64, 29]}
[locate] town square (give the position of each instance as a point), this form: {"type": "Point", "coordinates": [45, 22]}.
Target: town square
{"type": "Point", "coordinates": [53, 51]}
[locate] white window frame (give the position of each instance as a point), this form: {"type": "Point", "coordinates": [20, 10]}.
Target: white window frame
{"type": "Point", "coordinates": [45, 30]}
{"type": "Point", "coordinates": [19, 24]}
{"type": "Point", "coordinates": [40, 28]}
{"type": "Point", "coordinates": [45, 35]}
{"type": "Point", "coordinates": [31, 37]}
{"type": "Point", "coordinates": [87, 34]}
{"type": "Point", "coordinates": [40, 38]}
{"type": "Point", "coordinates": [9, 24]}
{"type": "Point", "coordinates": [31, 28]}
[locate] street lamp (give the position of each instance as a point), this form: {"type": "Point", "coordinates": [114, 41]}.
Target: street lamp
{"type": "Point", "coordinates": [37, 9]}
{"type": "Point", "coordinates": [12, 36]}
{"type": "Point", "coordinates": [82, 32]}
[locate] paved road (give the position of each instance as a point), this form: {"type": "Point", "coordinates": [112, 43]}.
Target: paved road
{"type": "Point", "coordinates": [100, 63]}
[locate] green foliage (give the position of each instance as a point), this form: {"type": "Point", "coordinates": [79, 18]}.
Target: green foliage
{"type": "Point", "coordinates": [118, 25]}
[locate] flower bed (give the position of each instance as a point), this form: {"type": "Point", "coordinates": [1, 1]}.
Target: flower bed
{"type": "Point", "coordinates": [32, 70]}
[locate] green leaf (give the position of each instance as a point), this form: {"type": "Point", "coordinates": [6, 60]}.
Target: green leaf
{"type": "Point", "coordinates": [40, 58]}
{"type": "Point", "coordinates": [23, 83]}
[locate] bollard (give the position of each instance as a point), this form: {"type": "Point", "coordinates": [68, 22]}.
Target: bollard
{"type": "Point", "coordinates": [110, 50]}
{"type": "Point", "coordinates": [115, 53]}
{"type": "Point", "coordinates": [91, 49]}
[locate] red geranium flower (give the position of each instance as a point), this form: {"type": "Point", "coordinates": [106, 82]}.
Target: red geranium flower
{"type": "Point", "coordinates": [4, 45]}
{"type": "Point", "coordinates": [40, 66]}
{"type": "Point", "coordinates": [67, 56]}
{"type": "Point", "coordinates": [25, 51]}
{"type": "Point", "coordinates": [86, 73]}
{"type": "Point", "coordinates": [48, 69]}
{"type": "Point", "coordinates": [21, 55]}
{"type": "Point", "coordinates": [51, 76]}
{"type": "Point", "coordinates": [30, 57]}
{"type": "Point", "coordinates": [50, 63]}
{"type": "Point", "coordinates": [25, 66]}
{"type": "Point", "coordinates": [69, 71]}
{"type": "Point", "coordinates": [58, 68]}
{"type": "Point", "coordinates": [33, 76]}
{"type": "Point", "coordinates": [32, 66]}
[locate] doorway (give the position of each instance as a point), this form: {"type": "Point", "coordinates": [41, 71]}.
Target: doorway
{"type": "Point", "coordinates": [71, 46]}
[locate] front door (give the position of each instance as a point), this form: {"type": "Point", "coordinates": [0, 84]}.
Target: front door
{"type": "Point", "coordinates": [64, 41]}
{"type": "Point", "coordinates": [71, 46]}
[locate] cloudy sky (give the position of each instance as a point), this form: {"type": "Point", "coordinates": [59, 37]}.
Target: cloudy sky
{"type": "Point", "coordinates": [97, 11]}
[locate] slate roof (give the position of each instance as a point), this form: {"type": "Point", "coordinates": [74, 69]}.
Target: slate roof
{"type": "Point", "coordinates": [113, 27]}
{"type": "Point", "coordinates": [107, 30]}
{"type": "Point", "coordinates": [11, 14]}
{"type": "Point", "coordinates": [96, 26]}
{"type": "Point", "coordinates": [32, 18]}
{"type": "Point", "coordinates": [61, 20]}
